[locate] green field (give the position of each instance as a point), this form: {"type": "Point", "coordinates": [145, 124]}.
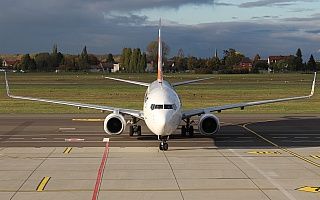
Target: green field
{"type": "Point", "coordinates": [95, 89]}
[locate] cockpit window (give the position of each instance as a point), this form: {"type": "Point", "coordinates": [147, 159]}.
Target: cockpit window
{"type": "Point", "coordinates": [168, 106]}
{"type": "Point", "coordinates": [158, 107]}
{"type": "Point", "coordinates": [165, 106]}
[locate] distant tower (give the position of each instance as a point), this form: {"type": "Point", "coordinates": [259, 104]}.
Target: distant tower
{"type": "Point", "coordinates": [216, 53]}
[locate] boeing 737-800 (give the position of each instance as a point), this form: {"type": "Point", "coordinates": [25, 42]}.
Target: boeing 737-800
{"type": "Point", "coordinates": [162, 109]}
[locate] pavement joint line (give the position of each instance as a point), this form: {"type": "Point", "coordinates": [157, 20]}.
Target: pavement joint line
{"type": "Point", "coordinates": [282, 148]}
{"type": "Point", "coordinates": [43, 184]}
{"type": "Point", "coordinates": [175, 177]}
{"type": "Point", "coordinates": [18, 190]}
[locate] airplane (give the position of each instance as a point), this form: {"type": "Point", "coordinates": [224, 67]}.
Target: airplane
{"type": "Point", "coordinates": [162, 108]}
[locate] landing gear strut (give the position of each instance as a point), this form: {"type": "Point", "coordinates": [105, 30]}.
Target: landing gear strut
{"type": "Point", "coordinates": [134, 128]}
{"type": "Point", "coordinates": [188, 128]}
{"type": "Point", "coordinates": [163, 144]}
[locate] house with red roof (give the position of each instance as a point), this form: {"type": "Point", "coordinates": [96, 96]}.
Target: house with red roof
{"type": "Point", "coordinates": [245, 63]}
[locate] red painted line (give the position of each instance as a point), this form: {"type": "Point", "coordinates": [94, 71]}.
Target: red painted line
{"type": "Point", "coordinates": [100, 172]}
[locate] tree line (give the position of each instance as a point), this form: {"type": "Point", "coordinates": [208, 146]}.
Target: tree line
{"type": "Point", "coordinates": [135, 60]}
{"type": "Point", "coordinates": [48, 62]}
{"type": "Point", "coordinates": [231, 57]}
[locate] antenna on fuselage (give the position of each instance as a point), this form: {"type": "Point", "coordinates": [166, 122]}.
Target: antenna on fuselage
{"type": "Point", "coordinates": [160, 72]}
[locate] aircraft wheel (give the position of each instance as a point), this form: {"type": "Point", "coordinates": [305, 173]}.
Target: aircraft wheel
{"type": "Point", "coordinates": [139, 131]}
{"type": "Point", "coordinates": [165, 146]}
{"type": "Point", "coordinates": [191, 131]}
{"type": "Point", "coordinates": [183, 130]}
{"type": "Point", "coordinates": [131, 131]}
{"type": "Point", "coordinates": [161, 146]}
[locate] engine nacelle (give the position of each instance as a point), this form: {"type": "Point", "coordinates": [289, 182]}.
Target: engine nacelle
{"type": "Point", "coordinates": [209, 124]}
{"type": "Point", "coordinates": [114, 124]}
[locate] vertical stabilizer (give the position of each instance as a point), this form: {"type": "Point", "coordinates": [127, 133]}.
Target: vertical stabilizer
{"type": "Point", "coordinates": [160, 72]}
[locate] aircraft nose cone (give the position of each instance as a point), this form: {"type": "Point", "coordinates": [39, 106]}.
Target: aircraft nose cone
{"type": "Point", "coordinates": [164, 125]}
{"type": "Point", "coordinates": [167, 129]}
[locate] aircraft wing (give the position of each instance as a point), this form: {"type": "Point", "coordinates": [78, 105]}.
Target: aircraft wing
{"type": "Point", "coordinates": [128, 81]}
{"type": "Point", "coordinates": [135, 113]}
{"type": "Point", "coordinates": [191, 81]}
{"type": "Point", "coordinates": [190, 113]}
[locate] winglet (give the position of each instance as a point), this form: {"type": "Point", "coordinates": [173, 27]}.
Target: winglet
{"type": "Point", "coordinates": [160, 72]}
{"type": "Point", "coordinates": [313, 84]}
{"type": "Point", "coordinates": [7, 85]}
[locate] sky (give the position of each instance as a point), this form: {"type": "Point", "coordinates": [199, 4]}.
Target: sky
{"type": "Point", "coordinates": [198, 27]}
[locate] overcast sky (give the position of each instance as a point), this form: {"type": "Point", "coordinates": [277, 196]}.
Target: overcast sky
{"type": "Point", "coordinates": [267, 27]}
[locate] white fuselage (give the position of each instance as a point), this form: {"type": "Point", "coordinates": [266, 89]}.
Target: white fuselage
{"type": "Point", "coordinates": [162, 108]}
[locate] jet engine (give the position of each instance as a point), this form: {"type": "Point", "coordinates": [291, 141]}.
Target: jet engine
{"type": "Point", "coordinates": [209, 124]}
{"type": "Point", "coordinates": [114, 124]}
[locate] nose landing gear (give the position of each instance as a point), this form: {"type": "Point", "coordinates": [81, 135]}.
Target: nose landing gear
{"type": "Point", "coordinates": [163, 146]}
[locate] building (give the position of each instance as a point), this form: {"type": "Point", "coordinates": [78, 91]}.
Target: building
{"type": "Point", "coordinates": [274, 59]}
{"type": "Point", "coordinates": [8, 64]}
{"type": "Point", "coordinates": [245, 63]}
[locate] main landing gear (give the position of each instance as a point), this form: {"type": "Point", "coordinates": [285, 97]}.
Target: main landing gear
{"type": "Point", "coordinates": [163, 144]}
{"type": "Point", "coordinates": [188, 128]}
{"type": "Point", "coordinates": [134, 128]}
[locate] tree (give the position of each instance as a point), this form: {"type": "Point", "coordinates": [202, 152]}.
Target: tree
{"type": "Point", "coordinates": [55, 61]}
{"type": "Point", "coordinates": [27, 63]}
{"type": "Point", "coordinates": [152, 51]}
{"type": "Point", "coordinates": [299, 61]}
{"type": "Point", "coordinates": [84, 55]}
{"type": "Point", "coordinates": [232, 57]}
{"type": "Point", "coordinates": [281, 65]}
{"type": "Point", "coordinates": [54, 49]}
{"type": "Point", "coordinates": [42, 61]}
{"type": "Point", "coordinates": [125, 58]}
{"type": "Point", "coordinates": [142, 62]}
{"type": "Point", "coordinates": [311, 64]}
{"type": "Point", "coordinates": [134, 60]}
{"type": "Point", "coordinates": [191, 62]}
{"type": "Point", "coordinates": [110, 58]}
{"type": "Point", "coordinates": [213, 63]}
{"type": "Point", "coordinates": [256, 57]}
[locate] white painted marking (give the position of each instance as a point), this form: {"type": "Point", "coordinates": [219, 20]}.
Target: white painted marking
{"type": "Point", "coordinates": [272, 174]}
{"type": "Point", "coordinates": [105, 140]}
{"type": "Point", "coordinates": [39, 138]}
{"type": "Point", "coordinates": [67, 129]}
{"type": "Point", "coordinates": [16, 138]}
{"type": "Point", "coordinates": [74, 139]}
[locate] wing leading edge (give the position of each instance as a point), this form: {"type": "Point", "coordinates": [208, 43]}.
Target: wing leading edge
{"type": "Point", "coordinates": [135, 113]}
{"type": "Point", "coordinates": [189, 113]}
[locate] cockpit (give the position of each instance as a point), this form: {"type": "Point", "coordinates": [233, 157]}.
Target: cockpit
{"type": "Point", "coordinates": [163, 106]}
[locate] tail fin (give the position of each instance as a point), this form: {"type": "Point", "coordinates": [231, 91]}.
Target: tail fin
{"type": "Point", "coordinates": [160, 72]}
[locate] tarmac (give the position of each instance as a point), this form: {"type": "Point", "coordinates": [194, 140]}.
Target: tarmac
{"type": "Point", "coordinates": [70, 157]}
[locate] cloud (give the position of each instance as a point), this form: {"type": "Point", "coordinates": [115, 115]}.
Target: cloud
{"type": "Point", "coordinates": [261, 3]}
{"type": "Point", "coordinates": [107, 26]}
